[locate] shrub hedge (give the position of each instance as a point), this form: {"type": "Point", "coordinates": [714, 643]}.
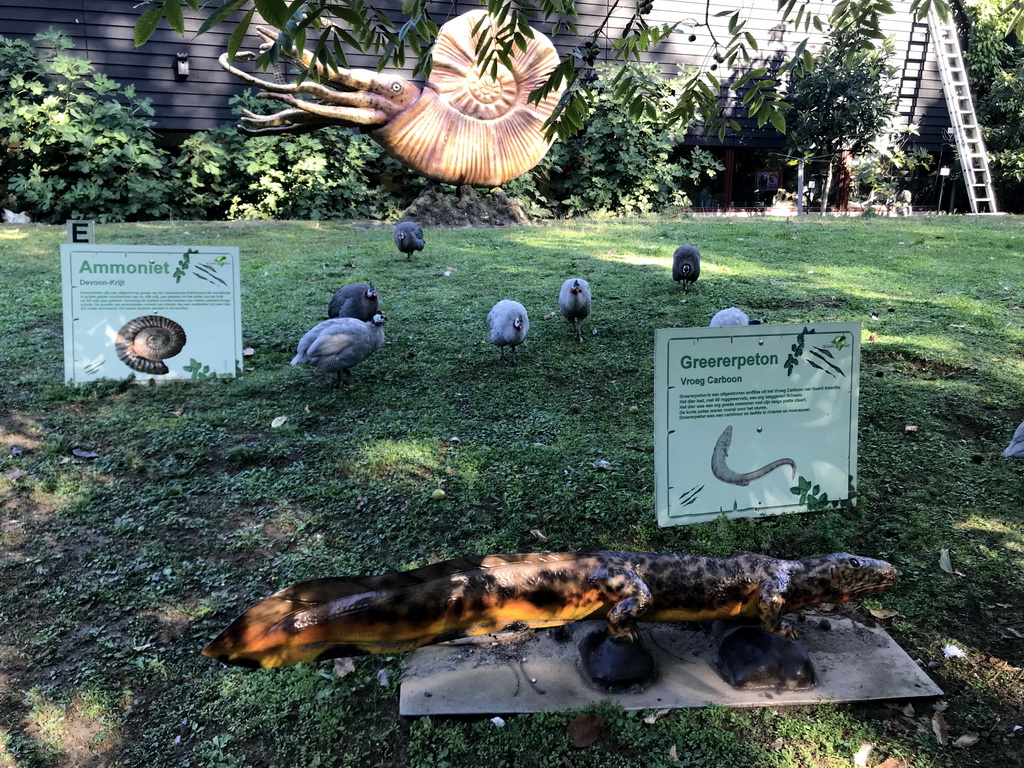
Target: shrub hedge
{"type": "Point", "coordinates": [76, 144]}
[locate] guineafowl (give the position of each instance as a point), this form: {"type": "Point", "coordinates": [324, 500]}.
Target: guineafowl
{"type": "Point", "coordinates": [1015, 450]}
{"type": "Point", "coordinates": [340, 344]}
{"type": "Point", "coordinates": [686, 265]}
{"type": "Point", "coordinates": [509, 324]}
{"type": "Point", "coordinates": [574, 301]}
{"type": "Point", "coordinates": [409, 238]}
{"type": "Point", "coordinates": [730, 316]}
{"type": "Point", "coordinates": [358, 300]}
{"type": "Point", "coordinates": [733, 316]}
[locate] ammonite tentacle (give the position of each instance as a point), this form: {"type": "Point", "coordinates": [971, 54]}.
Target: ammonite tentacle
{"type": "Point", "coordinates": [469, 125]}
{"type": "Point", "coordinates": [145, 342]}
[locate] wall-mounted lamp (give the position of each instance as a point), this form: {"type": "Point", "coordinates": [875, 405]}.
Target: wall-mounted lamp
{"type": "Point", "coordinates": [944, 170]}
{"type": "Point", "coordinates": [181, 66]}
{"type": "Point", "coordinates": [812, 184]}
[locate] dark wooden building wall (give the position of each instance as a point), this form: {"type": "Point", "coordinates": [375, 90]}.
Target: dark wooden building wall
{"type": "Point", "coordinates": [103, 31]}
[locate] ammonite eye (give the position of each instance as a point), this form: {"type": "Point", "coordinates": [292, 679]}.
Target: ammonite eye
{"type": "Point", "coordinates": [145, 342]}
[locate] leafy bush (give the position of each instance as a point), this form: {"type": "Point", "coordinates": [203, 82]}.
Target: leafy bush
{"type": "Point", "coordinates": [616, 164]}
{"type": "Point", "coordinates": [74, 143]}
{"type": "Point", "coordinates": [323, 175]}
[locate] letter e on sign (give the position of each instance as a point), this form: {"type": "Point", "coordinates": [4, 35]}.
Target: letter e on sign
{"type": "Point", "coordinates": [80, 232]}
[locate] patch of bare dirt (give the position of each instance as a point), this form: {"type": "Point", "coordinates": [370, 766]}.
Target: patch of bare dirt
{"type": "Point", "coordinates": [18, 429]}
{"type": "Point", "coordinates": [77, 736]}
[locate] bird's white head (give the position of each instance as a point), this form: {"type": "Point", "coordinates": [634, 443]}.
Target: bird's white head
{"type": "Point", "coordinates": [371, 292]}
{"type": "Point", "coordinates": [518, 323]}
{"type": "Point", "coordinates": [379, 319]}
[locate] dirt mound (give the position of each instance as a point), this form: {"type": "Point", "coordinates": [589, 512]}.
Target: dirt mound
{"type": "Point", "coordinates": [465, 209]}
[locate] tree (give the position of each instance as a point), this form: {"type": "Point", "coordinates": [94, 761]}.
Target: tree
{"type": "Point", "coordinates": [997, 74]}
{"type": "Point", "coordinates": [332, 27]}
{"type": "Point", "coordinates": [842, 105]}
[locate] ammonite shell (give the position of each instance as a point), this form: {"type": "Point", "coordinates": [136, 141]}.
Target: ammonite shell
{"type": "Point", "coordinates": [143, 343]}
{"type": "Point", "coordinates": [468, 127]}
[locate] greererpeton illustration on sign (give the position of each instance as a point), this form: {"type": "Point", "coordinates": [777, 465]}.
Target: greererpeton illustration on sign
{"type": "Point", "coordinates": [755, 420]}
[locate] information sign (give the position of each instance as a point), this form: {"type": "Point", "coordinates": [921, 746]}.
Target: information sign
{"type": "Point", "coordinates": [755, 420]}
{"type": "Point", "coordinates": [158, 312]}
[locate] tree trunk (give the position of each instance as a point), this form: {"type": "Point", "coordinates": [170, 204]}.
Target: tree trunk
{"type": "Point", "coordinates": [828, 188]}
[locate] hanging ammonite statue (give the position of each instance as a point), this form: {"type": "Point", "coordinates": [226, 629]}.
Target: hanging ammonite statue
{"type": "Point", "coordinates": [466, 126]}
{"type": "Point", "coordinates": [145, 342]}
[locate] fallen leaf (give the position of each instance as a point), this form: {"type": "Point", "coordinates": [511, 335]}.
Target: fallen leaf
{"type": "Point", "coordinates": [498, 721]}
{"type": "Point", "coordinates": [538, 535]}
{"type": "Point", "coordinates": [344, 666]}
{"type": "Point", "coordinates": [910, 428]}
{"type": "Point", "coordinates": [940, 706]}
{"type": "Point", "coordinates": [305, 408]}
{"type": "Point", "coordinates": [908, 710]}
{"type": "Point", "coordinates": [967, 740]}
{"type": "Point", "coordinates": [383, 678]}
{"type": "Point", "coordinates": [180, 412]}
{"type": "Point", "coordinates": [84, 454]}
{"type": "Point", "coordinates": [248, 352]}
{"type": "Point", "coordinates": [883, 613]}
{"type": "Point", "coordinates": [940, 729]}
{"type": "Point", "coordinates": [548, 316]}
{"type": "Point", "coordinates": [655, 716]}
{"type": "Point", "coordinates": [892, 762]}
{"type": "Point", "coordinates": [143, 647]}
{"type": "Point", "coordinates": [603, 465]}
{"type": "Point", "coordinates": [944, 561]}
{"type": "Point", "coordinates": [14, 475]}
{"type": "Point", "coordinates": [278, 422]}
{"type": "Point", "coordinates": [873, 337]}
{"type": "Point", "coordinates": [585, 730]}
{"type": "Point", "coordinates": [15, 450]}
{"type": "Point", "coordinates": [673, 754]}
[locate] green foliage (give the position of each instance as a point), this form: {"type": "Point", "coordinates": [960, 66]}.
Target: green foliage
{"type": "Point", "coordinates": [889, 167]}
{"type": "Point", "coordinates": [843, 104]}
{"type": "Point", "coordinates": [324, 175]}
{"type": "Point", "coordinates": [622, 164]}
{"type": "Point", "coordinates": [74, 143]}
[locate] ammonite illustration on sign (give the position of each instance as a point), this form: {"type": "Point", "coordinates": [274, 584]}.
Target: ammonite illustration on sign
{"type": "Point", "coordinates": [145, 342]}
{"type": "Point", "coordinates": [466, 126]}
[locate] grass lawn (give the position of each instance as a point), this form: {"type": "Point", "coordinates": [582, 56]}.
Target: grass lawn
{"type": "Point", "coordinates": [116, 570]}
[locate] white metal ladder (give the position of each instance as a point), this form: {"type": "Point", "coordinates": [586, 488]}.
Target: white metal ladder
{"type": "Point", "coordinates": [969, 143]}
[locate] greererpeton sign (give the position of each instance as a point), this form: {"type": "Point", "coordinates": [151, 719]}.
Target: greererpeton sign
{"type": "Point", "coordinates": [153, 312]}
{"type": "Point", "coordinates": [755, 420]}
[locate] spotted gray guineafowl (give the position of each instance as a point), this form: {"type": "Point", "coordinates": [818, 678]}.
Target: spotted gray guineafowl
{"type": "Point", "coordinates": [409, 238]}
{"type": "Point", "coordinates": [358, 300]}
{"type": "Point", "coordinates": [509, 324]}
{"type": "Point", "coordinates": [686, 265]}
{"type": "Point", "coordinates": [574, 302]}
{"type": "Point", "coordinates": [1015, 450]}
{"type": "Point", "coordinates": [733, 316]}
{"type": "Point", "coordinates": [340, 344]}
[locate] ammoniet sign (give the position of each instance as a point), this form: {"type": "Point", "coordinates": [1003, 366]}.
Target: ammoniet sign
{"type": "Point", "coordinates": [153, 312]}
{"type": "Point", "coordinates": [755, 420]}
